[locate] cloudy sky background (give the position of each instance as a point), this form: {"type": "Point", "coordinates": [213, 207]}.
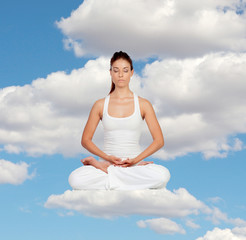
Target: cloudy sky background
{"type": "Point", "coordinates": [189, 61]}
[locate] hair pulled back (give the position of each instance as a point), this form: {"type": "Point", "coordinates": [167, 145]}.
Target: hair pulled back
{"type": "Point", "coordinates": [115, 57]}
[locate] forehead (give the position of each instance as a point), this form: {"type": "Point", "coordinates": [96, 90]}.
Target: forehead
{"type": "Point", "coordinates": [121, 63]}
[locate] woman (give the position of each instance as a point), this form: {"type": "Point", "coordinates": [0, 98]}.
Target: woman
{"type": "Point", "coordinates": [122, 113]}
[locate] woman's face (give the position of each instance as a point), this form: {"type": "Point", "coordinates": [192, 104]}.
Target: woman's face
{"type": "Point", "coordinates": [121, 73]}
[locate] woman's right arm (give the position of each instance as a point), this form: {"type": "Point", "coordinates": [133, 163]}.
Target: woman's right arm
{"type": "Point", "coordinates": [89, 130]}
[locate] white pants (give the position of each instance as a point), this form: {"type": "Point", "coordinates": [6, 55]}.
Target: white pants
{"type": "Point", "coordinates": [120, 178]}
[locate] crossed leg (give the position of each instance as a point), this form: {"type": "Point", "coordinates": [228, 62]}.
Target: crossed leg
{"type": "Point", "coordinates": [104, 165]}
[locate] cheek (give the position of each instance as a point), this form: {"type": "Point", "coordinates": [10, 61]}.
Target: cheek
{"type": "Point", "coordinates": [113, 77]}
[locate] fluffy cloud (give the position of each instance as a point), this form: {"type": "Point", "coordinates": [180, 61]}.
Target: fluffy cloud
{"type": "Point", "coordinates": [14, 173]}
{"type": "Point", "coordinates": [161, 226]}
{"type": "Point", "coordinates": [154, 27]}
{"type": "Point", "coordinates": [225, 234]}
{"type": "Point", "coordinates": [48, 116]}
{"type": "Point", "coordinates": [108, 204]}
{"type": "Point", "coordinates": [217, 217]}
{"type": "Point", "coordinates": [200, 104]}
{"type": "Point", "coordinates": [161, 204]}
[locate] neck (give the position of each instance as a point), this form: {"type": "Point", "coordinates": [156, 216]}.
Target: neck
{"type": "Point", "coordinates": [122, 92]}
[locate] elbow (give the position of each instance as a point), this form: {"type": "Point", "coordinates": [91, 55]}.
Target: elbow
{"type": "Point", "coordinates": [84, 142]}
{"type": "Point", "coordinates": [160, 143]}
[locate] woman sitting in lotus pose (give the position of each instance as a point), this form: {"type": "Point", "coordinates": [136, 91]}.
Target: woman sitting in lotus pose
{"type": "Point", "coordinates": [121, 163]}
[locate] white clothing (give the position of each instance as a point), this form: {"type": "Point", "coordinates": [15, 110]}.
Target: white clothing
{"type": "Point", "coordinates": [121, 139]}
{"type": "Point", "coordinates": [151, 176]}
{"type": "Point", "coordinates": [121, 135]}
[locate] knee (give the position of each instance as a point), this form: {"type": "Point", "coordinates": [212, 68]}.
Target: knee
{"type": "Point", "coordinates": [162, 174]}
{"type": "Point", "coordinates": [74, 180]}
{"type": "Point", "coordinates": [87, 177]}
{"type": "Point", "coordinates": [166, 175]}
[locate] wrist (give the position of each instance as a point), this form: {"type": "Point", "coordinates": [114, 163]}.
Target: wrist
{"type": "Point", "coordinates": [106, 157]}
{"type": "Point", "coordinates": [135, 161]}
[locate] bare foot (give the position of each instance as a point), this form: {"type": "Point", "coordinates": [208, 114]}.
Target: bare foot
{"type": "Point", "coordinates": [142, 163]}
{"type": "Point", "coordinates": [93, 162]}
{"type": "Point", "coordinates": [88, 160]}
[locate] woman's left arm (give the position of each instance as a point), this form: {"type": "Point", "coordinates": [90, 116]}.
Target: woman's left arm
{"type": "Point", "coordinates": [149, 115]}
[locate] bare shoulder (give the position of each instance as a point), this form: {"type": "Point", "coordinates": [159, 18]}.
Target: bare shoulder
{"type": "Point", "coordinates": [99, 103]}
{"type": "Point", "coordinates": [144, 103]}
{"type": "Point", "coordinates": [145, 106]}
{"type": "Point", "coordinates": [98, 106]}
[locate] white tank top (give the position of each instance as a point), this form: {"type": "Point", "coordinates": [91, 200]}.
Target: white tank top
{"type": "Point", "coordinates": [121, 135]}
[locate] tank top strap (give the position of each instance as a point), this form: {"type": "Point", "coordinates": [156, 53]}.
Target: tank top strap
{"type": "Point", "coordinates": [105, 107]}
{"type": "Point", "coordinates": [136, 104]}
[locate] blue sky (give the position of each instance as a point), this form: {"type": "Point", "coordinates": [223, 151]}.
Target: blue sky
{"type": "Point", "coordinates": [189, 62]}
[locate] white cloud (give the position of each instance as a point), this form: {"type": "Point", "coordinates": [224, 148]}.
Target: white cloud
{"type": "Point", "coordinates": [215, 200]}
{"type": "Point", "coordinates": [154, 27]}
{"type": "Point", "coordinates": [191, 224]}
{"type": "Point", "coordinates": [12, 149]}
{"type": "Point", "coordinates": [200, 103]}
{"type": "Point", "coordinates": [14, 173]}
{"type": "Point", "coordinates": [240, 231]}
{"type": "Point", "coordinates": [161, 226]}
{"type": "Point", "coordinates": [217, 217]}
{"type": "Point", "coordinates": [224, 234]}
{"type": "Point", "coordinates": [108, 204]}
{"type": "Point", "coordinates": [161, 203]}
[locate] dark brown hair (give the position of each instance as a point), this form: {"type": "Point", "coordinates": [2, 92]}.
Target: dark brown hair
{"type": "Point", "coordinates": [115, 57]}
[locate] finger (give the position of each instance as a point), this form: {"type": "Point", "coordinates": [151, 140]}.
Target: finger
{"type": "Point", "coordinates": [126, 165]}
{"type": "Point", "coordinates": [118, 163]}
{"type": "Point", "coordinates": [126, 161]}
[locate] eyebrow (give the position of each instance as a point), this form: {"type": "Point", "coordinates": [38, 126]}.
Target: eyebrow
{"type": "Point", "coordinates": [123, 67]}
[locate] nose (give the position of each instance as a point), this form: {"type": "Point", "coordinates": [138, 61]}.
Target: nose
{"type": "Point", "coordinates": [120, 73]}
